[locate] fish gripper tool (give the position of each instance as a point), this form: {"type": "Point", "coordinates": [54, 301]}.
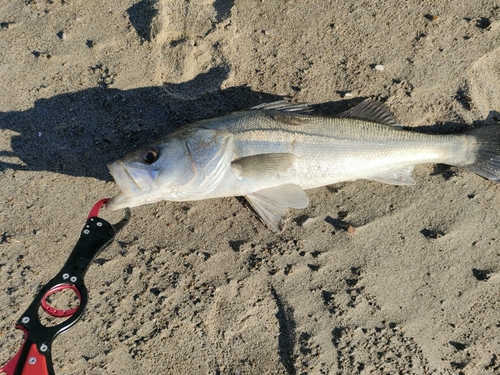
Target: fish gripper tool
{"type": "Point", "coordinates": [34, 356]}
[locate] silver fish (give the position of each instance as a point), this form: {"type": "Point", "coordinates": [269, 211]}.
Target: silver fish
{"type": "Point", "coordinates": [274, 152]}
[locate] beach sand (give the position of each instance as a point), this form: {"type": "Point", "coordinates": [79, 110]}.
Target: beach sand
{"type": "Point", "coordinates": [204, 287]}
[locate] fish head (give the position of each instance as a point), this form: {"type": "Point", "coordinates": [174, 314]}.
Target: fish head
{"type": "Point", "coordinates": [150, 173]}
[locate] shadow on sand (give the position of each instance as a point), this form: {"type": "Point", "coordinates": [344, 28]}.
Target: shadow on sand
{"type": "Point", "coordinates": [78, 133]}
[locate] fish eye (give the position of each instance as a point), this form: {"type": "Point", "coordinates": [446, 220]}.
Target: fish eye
{"type": "Point", "coordinates": [150, 155]}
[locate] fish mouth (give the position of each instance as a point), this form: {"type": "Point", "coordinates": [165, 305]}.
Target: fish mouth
{"type": "Point", "coordinates": [133, 182]}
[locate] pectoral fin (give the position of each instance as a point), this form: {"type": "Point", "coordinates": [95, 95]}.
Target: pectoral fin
{"type": "Point", "coordinates": [272, 203]}
{"type": "Point", "coordinates": [396, 177]}
{"type": "Point", "coordinates": [262, 165]}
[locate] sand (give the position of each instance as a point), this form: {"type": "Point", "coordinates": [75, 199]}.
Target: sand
{"type": "Point", "coordinates": [204, 287]}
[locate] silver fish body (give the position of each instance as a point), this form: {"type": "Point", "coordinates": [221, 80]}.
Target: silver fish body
{"type": "Point", "coordinates": [271, 154]}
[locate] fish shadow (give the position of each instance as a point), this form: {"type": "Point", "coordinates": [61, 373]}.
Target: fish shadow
{"type": "Point", "coordinates": [78, 133]}
{"type": "Point", "coordinates": [453, 127]}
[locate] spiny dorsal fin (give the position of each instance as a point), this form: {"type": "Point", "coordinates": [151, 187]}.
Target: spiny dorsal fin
{"type": "Point", "coordinates": [284, 106]}
{"type": "Point", "coordinates": [371, 110]}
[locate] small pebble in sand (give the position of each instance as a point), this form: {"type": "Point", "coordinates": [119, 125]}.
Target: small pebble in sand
{"type": "Point", "coordinates": [379, 67]}
{"type": "Point", "coordinates": [61, 35]}
{"type": "Point", "coordinates": [351, 229]}
{"type": "Point", "coordinates": [310, 221]}
{"type": "Point", "coordinates": [431, 17]}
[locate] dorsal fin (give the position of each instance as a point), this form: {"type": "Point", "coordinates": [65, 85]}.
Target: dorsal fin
{"type": "Point", "coordinates": [284, 106]}
{"type": "Point", "coordinates": [371, 110]}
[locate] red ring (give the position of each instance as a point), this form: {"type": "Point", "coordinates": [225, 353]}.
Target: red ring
{"type": "Point", "coordinates": [56, 313]}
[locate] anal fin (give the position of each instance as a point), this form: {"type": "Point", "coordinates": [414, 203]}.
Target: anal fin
{"type": "Point", "coordinates": [396, 176]}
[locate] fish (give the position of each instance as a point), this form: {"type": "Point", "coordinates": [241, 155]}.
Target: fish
{"type": "Point", "coordinates": [273, 152]}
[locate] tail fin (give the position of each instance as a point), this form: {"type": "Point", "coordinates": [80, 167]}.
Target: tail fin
{"type": "Point", "coordinates": [487, 162]}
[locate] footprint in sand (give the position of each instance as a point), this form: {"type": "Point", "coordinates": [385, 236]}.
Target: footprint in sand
{"type": "Point", "coordinates": [185, 40]}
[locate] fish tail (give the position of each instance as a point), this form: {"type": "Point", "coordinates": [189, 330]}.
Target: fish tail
{"type": "Point", "coordinates": [487, 161]}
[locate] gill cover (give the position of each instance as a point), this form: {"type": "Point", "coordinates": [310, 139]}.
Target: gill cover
{"type": "Point", "coordinates": [210, 152]}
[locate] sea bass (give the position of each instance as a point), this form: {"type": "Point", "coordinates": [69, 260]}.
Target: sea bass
{"type": "Point", "coordinates": [273, 152]}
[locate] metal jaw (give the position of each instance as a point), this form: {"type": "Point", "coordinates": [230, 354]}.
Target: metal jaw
{"type": "Point", "coordinates": [34, 357]}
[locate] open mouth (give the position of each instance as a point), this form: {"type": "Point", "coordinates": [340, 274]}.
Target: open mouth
{"type": "Point", "coordinates": [135, 184]}
{"type": "Point", "coordinates": [132, 181]}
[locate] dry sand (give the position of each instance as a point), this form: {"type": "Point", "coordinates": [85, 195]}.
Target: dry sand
{"type": "Point", "coordinates": [204, 287]}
